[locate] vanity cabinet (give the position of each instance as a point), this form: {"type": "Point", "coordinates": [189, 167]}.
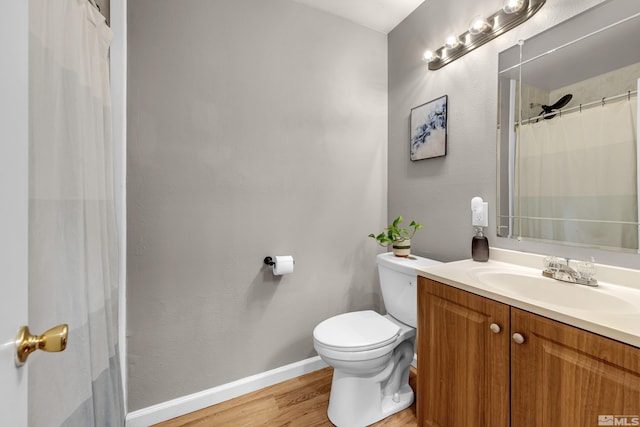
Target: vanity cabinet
{"type": "Point", "coordinates": [484, 363]}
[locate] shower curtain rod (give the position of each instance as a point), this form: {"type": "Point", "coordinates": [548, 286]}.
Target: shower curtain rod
{"type": "Point", "coordinates": [594, 221]}
{"type": "Point", "coordinates": [603, 101]}
{"type": "Point", "coordinates": [550, 51]}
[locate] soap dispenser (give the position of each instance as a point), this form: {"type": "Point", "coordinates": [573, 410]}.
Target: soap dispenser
{"type": "Point", "coordinates": [479, 219]}
{"type": "Point", "coordinates": [480, 246]}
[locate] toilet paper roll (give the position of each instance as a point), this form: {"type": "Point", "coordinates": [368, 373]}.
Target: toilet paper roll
{"type": "Point", "coordinates": [283, 265]}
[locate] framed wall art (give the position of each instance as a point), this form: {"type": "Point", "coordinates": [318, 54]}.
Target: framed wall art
{"type": "Point", "coordinates": [429, 129]}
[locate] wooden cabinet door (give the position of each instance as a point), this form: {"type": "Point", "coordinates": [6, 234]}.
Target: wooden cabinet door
{"type": "Point", "coordinates": [564, 376]}
{"type": "Point", "coordinates": [463, 367]}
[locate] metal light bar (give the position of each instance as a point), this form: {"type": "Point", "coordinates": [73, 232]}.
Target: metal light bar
{"type": "Point", "coordinates": [499, 23]}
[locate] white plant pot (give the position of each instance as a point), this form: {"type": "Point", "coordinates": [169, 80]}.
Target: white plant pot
{"type": "Point", "coordinates": [402, 249]}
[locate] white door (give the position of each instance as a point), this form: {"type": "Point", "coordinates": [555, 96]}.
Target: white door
{"type": "Point", "coordinates": [13, 206]}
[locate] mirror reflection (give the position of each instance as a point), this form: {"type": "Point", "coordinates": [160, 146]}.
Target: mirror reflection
{"type": "Point", "coordinates": [567, 126]}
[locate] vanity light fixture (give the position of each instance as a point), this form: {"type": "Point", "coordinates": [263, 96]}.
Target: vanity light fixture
{"type": "Point", "coordinates": [514, 13]}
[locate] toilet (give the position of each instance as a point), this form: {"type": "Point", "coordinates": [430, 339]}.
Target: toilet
{"type": "Point", "coordinates": [371, 353]}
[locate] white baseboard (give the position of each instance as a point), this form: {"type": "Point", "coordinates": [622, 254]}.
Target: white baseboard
{"type": "Point", "coordinates": [196, 401]}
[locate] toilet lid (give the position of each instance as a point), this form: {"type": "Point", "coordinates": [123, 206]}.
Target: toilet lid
{"type": "Point", "coordinates": [357, 331]}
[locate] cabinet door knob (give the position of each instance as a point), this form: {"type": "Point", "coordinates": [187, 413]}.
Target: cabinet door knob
{"type": "Point", "coordinates": [495, 328]}
{"type": "Point", "coordinates": [518, 338]}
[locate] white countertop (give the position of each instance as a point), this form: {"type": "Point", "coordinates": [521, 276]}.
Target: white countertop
{"type": "Point", "coordinates": [620, 322]}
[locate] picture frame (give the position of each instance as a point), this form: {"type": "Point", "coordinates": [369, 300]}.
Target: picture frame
{"type": "Point", "coordinates": [428, 129]}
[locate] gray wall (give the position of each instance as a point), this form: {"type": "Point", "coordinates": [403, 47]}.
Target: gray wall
{"type": "Point", "coordinates": [255, 128]}
{"type": "Point", "coordinates": [438, 191]}
{"type": "Point", "coordinates": [105, 8]}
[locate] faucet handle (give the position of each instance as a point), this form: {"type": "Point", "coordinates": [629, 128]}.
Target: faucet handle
{"type": "Point", "coordinates": [552, 263]}
{"type": "Point", "coordinates": [585, 269]}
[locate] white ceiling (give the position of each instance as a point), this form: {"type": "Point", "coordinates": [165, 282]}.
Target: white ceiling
{"type": "Point", "coordinates": [379, 15]}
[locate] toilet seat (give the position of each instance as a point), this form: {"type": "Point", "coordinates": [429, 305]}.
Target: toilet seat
{"type": "Point", "coordinates": [358, 331]}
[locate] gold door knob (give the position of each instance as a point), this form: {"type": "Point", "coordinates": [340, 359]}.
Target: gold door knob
{"type": "Point", "coordinates": [55, 339]}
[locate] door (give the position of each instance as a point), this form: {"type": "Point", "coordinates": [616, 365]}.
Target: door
{"type": "Point", "coordinates": [15, 169]}
{"type": "Point", "coordinates": [13, 206]}
{"type": "Point", "coordinates": [463, 358]}
{"type": "Point", "coordinates": [564, 376]}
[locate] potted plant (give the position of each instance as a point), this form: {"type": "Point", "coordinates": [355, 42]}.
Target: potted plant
{"type": "Point", "coordinates": [398, 237]}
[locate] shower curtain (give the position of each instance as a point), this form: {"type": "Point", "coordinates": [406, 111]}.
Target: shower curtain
{"type": "Point", "coordinates": [73, 259]}
{"type": "Point", "coordinates": [582, 166]}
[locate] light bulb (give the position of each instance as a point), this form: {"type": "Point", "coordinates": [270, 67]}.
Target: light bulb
{"type": "Point", "coordinates": [513, 6]}
{"type": "Point", "coordinates": [452, 42]}
{"type": "Point", "coordinates": [479, 25]}
{"type": "Point", "coordinates": [429, 56]}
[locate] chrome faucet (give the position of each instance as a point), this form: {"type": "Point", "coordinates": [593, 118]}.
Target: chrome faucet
{"type": "Point", "coordinates": [559, 269]}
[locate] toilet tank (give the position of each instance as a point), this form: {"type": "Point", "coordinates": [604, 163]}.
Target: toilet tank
{"type": "Point", "coordinates": [399, 284]}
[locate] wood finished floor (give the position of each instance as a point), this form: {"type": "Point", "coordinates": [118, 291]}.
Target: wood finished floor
{"type": "Point", "coordinates": [299, 402]}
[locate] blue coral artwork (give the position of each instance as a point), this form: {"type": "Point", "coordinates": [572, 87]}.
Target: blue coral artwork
{"type": "Point", "coordinates": [429, 129]}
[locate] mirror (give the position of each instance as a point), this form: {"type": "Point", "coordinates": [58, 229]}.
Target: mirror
{"type": "Point", "coordinates": [568, 131]}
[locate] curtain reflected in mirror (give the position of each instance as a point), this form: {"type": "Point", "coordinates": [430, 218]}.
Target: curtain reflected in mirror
{"type": "Point", "coordinates": [577, 177]}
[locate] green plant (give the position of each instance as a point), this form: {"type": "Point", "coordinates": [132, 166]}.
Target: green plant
{"type": "Point", "coordinates": [395, 233]}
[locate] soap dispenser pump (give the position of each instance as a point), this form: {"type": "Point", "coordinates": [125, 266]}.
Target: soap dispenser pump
{"type": "Point", "coordinates": [479, 219]}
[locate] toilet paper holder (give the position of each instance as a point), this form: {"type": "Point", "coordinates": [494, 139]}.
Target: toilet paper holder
{"type": "Point", "coordinates": [280, 264]}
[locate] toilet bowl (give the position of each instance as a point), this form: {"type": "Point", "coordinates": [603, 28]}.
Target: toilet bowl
{"type": "Point", "coordinates": [368, 375]}
{"type": "Point", "coordinates": [371, 353]}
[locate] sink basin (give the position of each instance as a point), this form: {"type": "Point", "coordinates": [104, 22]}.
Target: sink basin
{"type": "Point", "coordinates": [535, 288]}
